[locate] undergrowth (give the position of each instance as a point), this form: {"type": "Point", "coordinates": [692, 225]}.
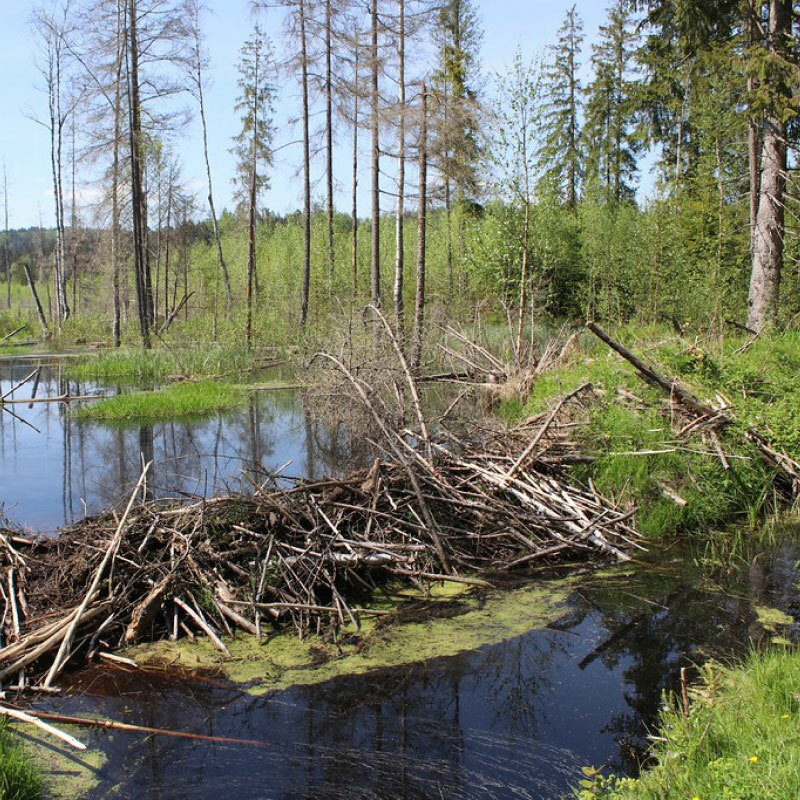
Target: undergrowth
{"type": "Point", "coordinates": [638, 460]}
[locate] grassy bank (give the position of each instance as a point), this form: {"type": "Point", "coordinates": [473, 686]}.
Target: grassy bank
{"type": "Point", "coordinates": [739, 740]}
{"type": "Point", "coordinates": [679, 483]}
{"type": "Point", "coordinates": [180, 400]}
{"type": "Point", "coordinates": [19, 779]}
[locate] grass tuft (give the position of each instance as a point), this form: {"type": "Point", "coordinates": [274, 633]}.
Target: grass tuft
{"type": "Point", "coordinates": [180, 400]}
{"type": "Point", "coordinates": [19, 779]}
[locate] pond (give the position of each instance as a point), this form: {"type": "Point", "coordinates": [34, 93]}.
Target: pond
{"type": "Point", "coordinates": [54, 470]}
{"type": "Point", "coordinates": [517, 717]}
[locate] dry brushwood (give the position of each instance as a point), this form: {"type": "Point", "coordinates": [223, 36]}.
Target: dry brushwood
{"type": "Point", "coordinates": [303, 555]}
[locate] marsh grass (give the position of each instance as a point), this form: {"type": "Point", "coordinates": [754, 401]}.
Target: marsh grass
{"type": "Point", "coordinates": [19, 778]}
{"type": "Point", "coordinates": [180, 400]}
{"type": "Point", "coordinates": [161, 364]}
{"type": "Point", "coordinates": [739, 740]}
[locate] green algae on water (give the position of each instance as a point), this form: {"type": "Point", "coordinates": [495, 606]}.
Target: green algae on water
{"type": "Point", "coordinates": [284, 660]}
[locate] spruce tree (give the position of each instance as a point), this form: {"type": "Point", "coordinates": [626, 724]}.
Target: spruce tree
{"type": "Point", "coordinates": [560, 154]}
{"type": "Point", "coordinates": [610, 137]}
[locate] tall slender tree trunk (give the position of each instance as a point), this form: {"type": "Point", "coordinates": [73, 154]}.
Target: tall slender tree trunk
{"type": "Point", "coordinates": [6, 259]}
{"type": "Point", "coordinates": [354, 220]}
{"type": "Point", "coordinates": [222, 267]}
{"type": "Point", "coordinates": [304, 300]}
{"type": "Point", "coordinates": [769, 229]}
{"type": "Point", "coordinates": [141, 257]}
{"type": "Point", "coordinates": [251, 228]}
{"type": "Point", "coordinates": [329, 138]}
{"type": "Point", "coordinates": [752, 126]}
{"type": "Point", "coordinates": [399, 263]}
{"type": "Point", "coordinates": [375, 249]}
{"type": "Point", "coordinates": [422, 226]}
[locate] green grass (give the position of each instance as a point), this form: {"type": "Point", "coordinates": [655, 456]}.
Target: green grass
{"type": "Point", "coordinates": [161, 364]}
{"type": "Point", "coordinates": [179, 400]}
{"type": "Point", "coordinates": [760, 384]}
{"type": "Point", "coordinates": [19, 779]}
{"type": "Point", "coordinates": [739, 742]}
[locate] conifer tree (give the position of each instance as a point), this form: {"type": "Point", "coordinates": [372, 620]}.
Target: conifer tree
{"type": "Point", "coordinates": [560, 154]}
{"type": "Point", "coordinates": [610, 137]}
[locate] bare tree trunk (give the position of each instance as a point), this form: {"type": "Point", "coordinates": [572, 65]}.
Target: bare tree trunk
{"type": "Point", "coordinates": [304, 300]}
{"type": "Point", "coordinates": [251, 228]}
{"type": "Point", "coordinates": [6, 260]}
{"type": "Point", "coordinates": [399, 264]}
{"type": "Point", "coordinates": [523, 278]}
{"type": "Point", "coordinates": [422, 224]}
{"type": "Point", "coordinates": [375, 250]}
{"type": "Point", "coordinates": [221, 265]}
{"type": "Point", "coordinates": [36, 302]}
{"type": "Point", "coordinates": [141, 257]}
{"type": "Point", "coordinates": [769, 230]}
{"type": "Point", "coordinates": [356, 90]}
{"type": "Point", "coordinates": [329, 138]}
{"type": "Point", "coordinates": [752, 127]}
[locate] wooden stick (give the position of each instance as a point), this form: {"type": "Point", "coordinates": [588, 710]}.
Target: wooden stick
{"type": "Point", "coordinates": [58, 664]}
{"type": "Point", "coordinates": [34, 719]}
{"type": "Point", "coordinates": [204, 626]}
{"type": "Point", "coordinates": [13, 333]}
{"type": "Point", "coordinates": [88, 722]}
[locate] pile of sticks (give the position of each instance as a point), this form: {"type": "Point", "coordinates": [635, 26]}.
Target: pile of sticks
{"type": "Point", "coordinates": [302, 556]}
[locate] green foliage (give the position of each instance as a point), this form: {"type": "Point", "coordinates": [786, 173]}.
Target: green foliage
{"type": "Point", "coordinates": [736, 743]}
{"type": "Point", "coordinates": [19, 779]}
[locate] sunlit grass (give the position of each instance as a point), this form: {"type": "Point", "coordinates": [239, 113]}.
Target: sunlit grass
{"type": "Point", "coordinates": [180, 400]}
{"type": "Point", "coordinates": [19, 779]}
{"type": "Point", "coordinates": [740, 739]}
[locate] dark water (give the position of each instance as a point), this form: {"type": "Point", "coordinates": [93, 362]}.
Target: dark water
{"type": "Point", "coordinates": [511, 720]}
{"type": "Point", "coordinates": [54, 469]}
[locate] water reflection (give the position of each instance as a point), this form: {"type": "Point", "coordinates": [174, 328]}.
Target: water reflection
{"type": "Point", "coordinates": [515, 719]}
{"type": "Point", "coordinates": [55, 470]}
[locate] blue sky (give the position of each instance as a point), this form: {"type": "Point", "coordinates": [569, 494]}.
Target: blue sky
{"type": "Point", "coordinates": [508, 24]}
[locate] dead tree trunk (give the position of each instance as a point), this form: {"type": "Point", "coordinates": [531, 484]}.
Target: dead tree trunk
{"type": "Point", "coordinates": [306, 168]}
{"type": "Point", "coordinates": [138, 201]}
{"type": "Point", "coordinates": [422, 224]}
{"type": "Point", "coordinates": [375, 250]}
{"type": "Point", "coordinates": [354, 221]}
{"type": "Point", "coordinates": [399, 264]}
{"type": "Point", "coordinates": [36, 302]}
{"type": "Point", "coordinates": [329, 138]}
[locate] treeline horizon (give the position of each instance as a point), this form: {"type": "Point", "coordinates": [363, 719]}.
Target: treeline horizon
{"type": "Point", "coordinates": [519, 194]}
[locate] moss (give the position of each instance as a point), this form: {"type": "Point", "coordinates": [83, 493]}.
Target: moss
{"type": "Point", "coordinates": [285, 660]}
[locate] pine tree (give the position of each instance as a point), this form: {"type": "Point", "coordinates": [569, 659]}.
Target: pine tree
{"type": "Point", "coordinates": [560, 154]}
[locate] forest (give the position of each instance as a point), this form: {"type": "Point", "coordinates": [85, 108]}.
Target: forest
{"type": "Point", "coordinates": [518, 193]}
{"type": "Point", "coordinates": [477, 430]}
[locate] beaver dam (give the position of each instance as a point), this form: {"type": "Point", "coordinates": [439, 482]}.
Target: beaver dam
{"type": "Point", "coordinates": [303, 556]}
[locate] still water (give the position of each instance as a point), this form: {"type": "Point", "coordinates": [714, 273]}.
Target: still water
{"type": "Point", "coordinates": [511, 720]}
{"type": "Point", "coordinates": [55, 470]}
